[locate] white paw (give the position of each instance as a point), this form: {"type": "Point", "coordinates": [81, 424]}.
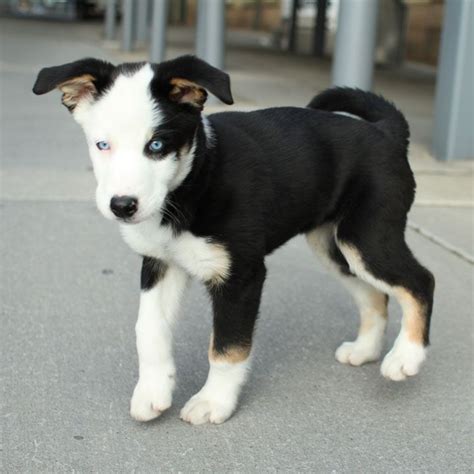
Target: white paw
{"type": "Point", "coordinates": [404, 360]}
{"type": "Point", "coordinates": [203, 409]}
{"type": "Point", "coordinates": [357, 353]}
{"type": "Point", "coordinates": [151, 398]}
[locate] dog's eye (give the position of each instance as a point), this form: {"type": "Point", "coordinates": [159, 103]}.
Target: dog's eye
{"type": "Point", "coordinates": [155, 146]}
{"type": "Point", "coordinates": [102, 146]}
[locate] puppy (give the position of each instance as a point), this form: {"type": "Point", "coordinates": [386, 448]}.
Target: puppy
{"type": "Point", "coordinates": [210, 197]}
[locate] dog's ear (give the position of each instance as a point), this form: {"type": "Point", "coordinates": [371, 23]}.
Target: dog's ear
{"type": "Point", "coordinates": [77, 81]}
{"type": "Point", "coordinates": [188, 78]}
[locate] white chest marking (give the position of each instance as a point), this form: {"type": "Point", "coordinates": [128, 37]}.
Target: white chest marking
{"type": "Point", "coordinates": [202, 259]}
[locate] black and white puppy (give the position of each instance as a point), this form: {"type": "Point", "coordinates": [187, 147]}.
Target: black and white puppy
{"type": "Point", "coordinates": [210, 197]}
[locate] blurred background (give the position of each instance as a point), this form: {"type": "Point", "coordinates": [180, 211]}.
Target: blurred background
{"type": "Point", "coordinates": [422, 46]}
{"type": "Point", "coordinates": [69, 286]}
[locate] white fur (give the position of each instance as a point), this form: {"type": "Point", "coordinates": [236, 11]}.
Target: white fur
{"type": "Point", "coordinates": [358, 268]}
{"type": "Point", "coordinates": [198, 256]}
{"type": "Point", "coordinates": [217, 399]}
{"type": "Point", "coordinates": [158, 310]}
{"type": "Point", "coordinates": [208, 131]}
{"type": "Point", "coordinates": [406, 357]}
{"type": "Point", "coordinates": [366, 348]}
{"type": "Point", "coordinates": [125, 117]}
{"type": "Point", "coordinates": [404, 360]}
{"type": "Point", "coordinates": [368, 345]}
{"type": "Point", "coordinates": [373, 321]}
{"type": "Point", "coordinates": [185, 164]}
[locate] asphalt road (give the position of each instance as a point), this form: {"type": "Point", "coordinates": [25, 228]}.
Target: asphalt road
{"type": "Point", "coordinates": [69, 291]}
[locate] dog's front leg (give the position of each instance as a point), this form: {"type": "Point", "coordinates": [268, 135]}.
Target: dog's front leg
{"type": "Point", "coordinates": [235, 305]}
{"type": "Point", "coordinates": [162, 287]}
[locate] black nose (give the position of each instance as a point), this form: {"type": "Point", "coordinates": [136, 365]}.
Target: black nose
{"type": "Point", "coordinates": [124, 206]}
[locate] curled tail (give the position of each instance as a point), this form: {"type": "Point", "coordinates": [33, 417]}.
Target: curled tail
{"type": "Point", "coordinates": [368, 106]}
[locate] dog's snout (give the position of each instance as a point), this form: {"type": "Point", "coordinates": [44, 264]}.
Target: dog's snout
{"type": "Point", "coordinates": [124, 206]}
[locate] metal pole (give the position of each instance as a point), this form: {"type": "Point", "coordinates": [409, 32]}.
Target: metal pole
{"type": "Point", "coordinates": [158, 30]}
{"type": "Point", "coordinates": [319, 34]}
{"type": "Point", "coordinates": [454, 102]}
{"type": "Point", "coordinates": [257, 19]}
{"type": "Point", "coordinates": [215, 38]}
{"type": "Point", "coordinates": [110, 19]}
{"type": "Point", "coordinates": [183, 11]}
{"type": "Point", "coordinates": [293, 26]}
{"type": "Point", "coordinates": [128, 25]}
{"type": "Point", "coordinates": [142, 20]}
{"type": "Point", "coordinates": [201, 28]}
{"type": "Point", "coordinates": [353, 62]}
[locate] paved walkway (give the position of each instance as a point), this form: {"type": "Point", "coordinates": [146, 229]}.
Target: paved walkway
{"type": "Point", "coordinates": [69, 300]}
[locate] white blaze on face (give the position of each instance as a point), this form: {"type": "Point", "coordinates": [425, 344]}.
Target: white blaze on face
{"type": "Point", "coordinates": [125, 118]}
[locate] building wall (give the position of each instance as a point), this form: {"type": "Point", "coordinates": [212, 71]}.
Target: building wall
{"type": "Point", "coordinates": [241, 14]}
{"type": "Point", "coordinates": [423, 33]}
{"type": "Point", "coordinates": [424, 20]}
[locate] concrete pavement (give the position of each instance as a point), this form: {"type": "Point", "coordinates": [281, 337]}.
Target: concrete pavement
{"type": "Point", "coordinates": [69, 289]}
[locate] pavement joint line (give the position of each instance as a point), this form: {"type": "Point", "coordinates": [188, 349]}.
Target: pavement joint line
{"type": "Point", "coordinates": [445, 172]}
{"type": "Point", "coordinates": [441, 242]}
{"type": "Point", "coordinates": [443, 203]}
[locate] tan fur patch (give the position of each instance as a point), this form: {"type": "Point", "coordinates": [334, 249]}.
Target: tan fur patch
{"type": "Point", "coordinates": [414, 312]}
{"type": "Point", "coordinates": [376, 309]}
{"type": "Point", "coordinates": [232, 355]}
{"type": "Point", "coordinates": [414, 315]}
{"type": "Point", "coordinates": [188, 92]}
{"type": "Point", "coordinates": [76, 89]}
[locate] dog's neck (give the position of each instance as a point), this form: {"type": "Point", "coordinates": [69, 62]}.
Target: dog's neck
{"type": "Point", "coordinates": [182, 203]}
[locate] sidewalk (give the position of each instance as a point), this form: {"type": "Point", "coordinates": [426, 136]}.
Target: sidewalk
{"type": "Point", "coordinates": [70, 293]}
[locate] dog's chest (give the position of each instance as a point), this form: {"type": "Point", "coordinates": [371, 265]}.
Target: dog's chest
{"type": "Point", "coordinates": [148, 238]}
{"type": "Point", "coordinates": [206, 260]}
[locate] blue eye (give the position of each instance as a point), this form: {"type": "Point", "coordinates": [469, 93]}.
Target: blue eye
{"type": "Point", "coordinates": [155, 146]}
{"type": "Point", "coordinates": [102, 146]}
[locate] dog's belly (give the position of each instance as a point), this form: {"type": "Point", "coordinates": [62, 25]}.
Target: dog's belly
{"type": "Point", "coordinates": [206, 260]}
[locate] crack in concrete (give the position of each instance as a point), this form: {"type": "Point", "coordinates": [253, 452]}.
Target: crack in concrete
{"type": "Point", "coordinates": [441, 242]}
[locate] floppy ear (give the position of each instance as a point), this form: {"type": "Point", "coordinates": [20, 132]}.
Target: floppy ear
{"type": "Point", "coordinates": [188, 79]}
{"type": "Point", "coordinates": [77, 81]}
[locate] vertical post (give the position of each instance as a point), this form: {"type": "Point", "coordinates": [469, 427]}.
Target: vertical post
{"type": "Point", "coordinates": [293, 26]}
{"type": "Point", "coordinates": [353, 62]}
{"type": "Point", "coordinates": [110, 19]}
{"type": "Point", "coordinates": [257, 19]}
{"type": "Point", "coordinates": [142, 18]}
{"type": "Point", "coordinates": [158, 30]}
{"type": "Point", "coordinates": [453, 137]}
{"type": "Point", "coordinates": [215, 38]}
{"type": "Point", "coordinates": [319, 34]}
{"type": "Point", "coordinates": [128, 25]}
{"type": "Point", "coordinates": [183, 11]}
{"type": "Point", "coordinates": [201, 28]}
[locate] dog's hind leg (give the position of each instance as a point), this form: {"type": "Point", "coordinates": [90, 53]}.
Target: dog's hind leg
{"type": "Point", "coordinates": [371, 303]}
{"type": "Point", "coordinates": [235, 306]}
{"type": "Point", "coordinates": [162, 288]}
{"type": "Point", "coordinates": [374, 246]}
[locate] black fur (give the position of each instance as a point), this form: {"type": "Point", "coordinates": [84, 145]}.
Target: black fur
{"type": "Point", "coordinates": [278, 172]}
{"type": "Point", "coordinates": [271, 174]}
{"type": "Point", "coordinates": [153, 270]}
{"type": "Point", "coordinates": [195, 70]}
{"type": "Point", "coordinates": [51, 77]}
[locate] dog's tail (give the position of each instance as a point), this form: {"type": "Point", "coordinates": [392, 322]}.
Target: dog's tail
{"type": "Point", "coordinates": [368, 106]}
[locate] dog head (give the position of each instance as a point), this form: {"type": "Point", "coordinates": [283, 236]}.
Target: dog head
{"type": "Point", "coordinates": [140, 122]}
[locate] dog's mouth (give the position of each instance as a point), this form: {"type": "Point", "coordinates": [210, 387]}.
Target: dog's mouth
{"type": "Point", "coordinates": [139, 217]}
{"type": "Point", "coordinates": [128, 220]}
